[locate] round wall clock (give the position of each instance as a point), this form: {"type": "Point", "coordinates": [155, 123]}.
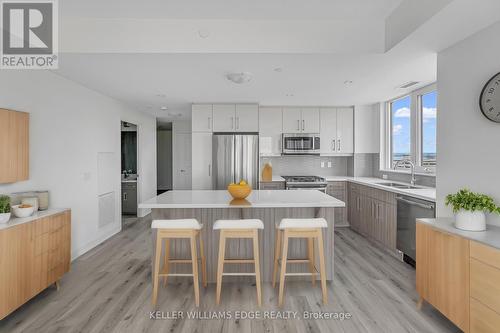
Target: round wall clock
{"type": "Point", "coordinates": [490, 99]}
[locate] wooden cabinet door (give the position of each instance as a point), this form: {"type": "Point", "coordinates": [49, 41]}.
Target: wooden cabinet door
{"type": "Point", "coordinates": [14, 146]}
{"type": "Point", "coordinates": [201, 170]}
{"type": "Point", "coordinates": [272, 185]}
{"type": "Point", "coordinates": [201, 118]}
{"type": "Point", "coordinates": [345, 131]}
{"type": "Point", "coordinates": [247, 118]}
{"type": "Point", "coordinates": [443, 273]}
{"type": "Point", "coordinates": [310, 120]}
{"type": "Point", "coordinates": [270, 131]}
{"type": "Point", "coordinates": [224, 118]}
{"type": "Point", "coordinates": [292, 120]}
{"type": "Point", "coordinates": [328, 131]}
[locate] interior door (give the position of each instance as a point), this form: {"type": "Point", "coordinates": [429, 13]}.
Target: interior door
{"type": "Point", "coordinates": [246, 159]}
{"type": "Point", "coordinates": [328, 131]}
{"type": "Point", "coordinates": [223, 163]}
{"type": "Point", "coordinates": [224, 118]}
{"type": "Point", "coordinates": [310, 120]}
{"type": "Point", "coordinates": [247, 118]}
{"type": "Point", "coordinates": [291, 120]}
{"type": "Point", "coordinates": [345, 130]}
{"type": "Point", "coordinates": [182, 161]}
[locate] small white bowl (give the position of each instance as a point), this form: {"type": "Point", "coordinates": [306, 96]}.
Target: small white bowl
{"type": "Point", "coordinates": [22, 212]}
{"type": "Point", "coordinates": [4, 217]}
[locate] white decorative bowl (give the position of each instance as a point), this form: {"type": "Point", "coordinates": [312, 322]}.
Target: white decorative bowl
{"type": "Point", "coordinates": [22, 212]}
{"type": "Point", "coordinates": [4, 217]}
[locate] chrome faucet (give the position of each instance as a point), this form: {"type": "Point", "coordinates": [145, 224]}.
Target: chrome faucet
{"type": "Point", "coordinates": [412, 169]}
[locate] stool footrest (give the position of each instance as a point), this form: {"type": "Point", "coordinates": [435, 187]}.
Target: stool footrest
{"type": "Point", "coordinates": [238, 274]}
{"type": "Point", "coordinates": [239, 261]}
{"type": "Point", "coordinates": [301, 274]}
{"type": "Point", "coordinates": [175, 274]}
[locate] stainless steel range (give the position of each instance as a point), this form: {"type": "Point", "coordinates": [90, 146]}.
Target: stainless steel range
{"type": "Point", "coordinates": [305, 183]}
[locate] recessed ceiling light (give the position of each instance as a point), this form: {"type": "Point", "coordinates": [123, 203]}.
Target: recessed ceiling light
{"type": "Point", "coordinates": [278, 69]}
{"type": "Point", "coordinates": [289, 94]}
{"type": "Point", "coordinates": [163, 108]}
{"type": "Point", "coordinates": [203, 33]}
{"type": "Point", "coordinates": [347, 82]}
{"type": "Point", "coordinates": [161, 95]}
{"type": "Point", "coordinates": [239, 78]}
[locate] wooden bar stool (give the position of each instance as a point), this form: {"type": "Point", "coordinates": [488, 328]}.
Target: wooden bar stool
{"type": "Point", "coordinates": [311, 229]}
{"type": "Point", "coordinates": [238, 229]}
{"type": "Point", "coordinates": [170, 229]}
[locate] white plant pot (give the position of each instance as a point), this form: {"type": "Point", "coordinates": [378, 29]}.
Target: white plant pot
{"type": "Point", "coordinates": [4, 217]}
{"type": "Point", "coordinates": [470, 221]}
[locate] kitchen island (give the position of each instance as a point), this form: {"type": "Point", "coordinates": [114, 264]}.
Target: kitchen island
{"type": "Point", "coordinates": [270, 206]}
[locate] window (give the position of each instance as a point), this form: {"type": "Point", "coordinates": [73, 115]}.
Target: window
{"type": "Point", "coordinates": [401, 130]}
{"type": "Point", "coordinates": [428, 112]}
{"type": "Point", "coordinates": [409, 131]}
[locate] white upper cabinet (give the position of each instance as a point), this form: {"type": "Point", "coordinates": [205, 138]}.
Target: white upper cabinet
{"type": "Point", "coordinates": [224, 118]}
{"type": "Point", "coordinates": [201, 117]}
{"type": "Point", "coordinates": [345, 130]}
{"type": "Point", "coordinates": [310, 120]}
{"type": "Point", "coordinates": [201, 161]}
{"type": "Point", "coordinates": [300, 120]}
{"type": "Point", "coordinates": [236, 118]}
{"type": "Point", "coordinates": [328, 131]}
{"type": "Point", "coordinates": [247, 118]}
{"type": "Point", "coordinates": [337, 131]}
{"type": "Point", "coordinates": [270, 130]}
{"type": "Point", "coordinates": [292, 120]}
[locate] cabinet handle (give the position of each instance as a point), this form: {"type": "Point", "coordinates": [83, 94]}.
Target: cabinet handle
{"type": "Point", "coordinates": [209, 127]}
{"type": "Point", "coordinates": [232, 122]}
{"type": "Point", "coordinates": [333, 145]}
{"type": "Point", "coordinates": [237, 122]}
{"type": "Point", "coordinates": [209, 170]}
{"type": "Point", "coordinates": [125, 196]}
{"type": "Point", "coordinates": [303, 124]}
{"type": "Point", "coordinates": [338, 145]}
{"type": "Point", "coordinates": [298, 125]}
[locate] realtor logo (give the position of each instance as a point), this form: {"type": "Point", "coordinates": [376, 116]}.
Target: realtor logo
{"type": "Point", "coordinates": [29, 34]}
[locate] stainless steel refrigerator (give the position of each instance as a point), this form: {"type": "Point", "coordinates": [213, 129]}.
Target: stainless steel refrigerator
{"type": "Point", "coordinates": [235, 157]}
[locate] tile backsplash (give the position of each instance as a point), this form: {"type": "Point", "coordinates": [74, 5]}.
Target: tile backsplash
{"type": "Point", "coordinates": [306, 165]}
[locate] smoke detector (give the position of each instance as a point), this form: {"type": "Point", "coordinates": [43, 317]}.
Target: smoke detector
{"type": "Point", "coordinates": [239, 78]}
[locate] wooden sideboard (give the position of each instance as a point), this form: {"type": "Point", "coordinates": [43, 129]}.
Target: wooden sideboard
{"type": "Point", "coordinates": [14, 146]}
{"type": "Point", "coordinates": [33, 256]}
{"type": "Point", "coordinates": [459, 277]}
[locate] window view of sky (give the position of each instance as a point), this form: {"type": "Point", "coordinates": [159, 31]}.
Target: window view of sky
{"type": "Point", "coordinates": [429, 105]}
{"type": "Point", "coordinates": [401, 129]}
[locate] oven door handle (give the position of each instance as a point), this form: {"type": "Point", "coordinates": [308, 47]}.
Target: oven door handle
{"type": "Point", "coordinates": [322, 189]}
{"type": "Point", "coordinates": [414, 203]}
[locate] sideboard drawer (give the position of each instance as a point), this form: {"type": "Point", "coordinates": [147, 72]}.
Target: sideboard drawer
{"type": "Point", "coordinates": [485, 284]}
{"type": "Point", "coordinates": [482, 318]}
{"type": "Point", "coordinates": [485, 254]}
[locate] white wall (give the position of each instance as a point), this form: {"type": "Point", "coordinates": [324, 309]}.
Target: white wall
{"type": "Point", "coordinates": [468, 144]}
{"type": "Point", "coordinates": [69, 126]}
{"type": "Point", "coordinates": [366, 129]}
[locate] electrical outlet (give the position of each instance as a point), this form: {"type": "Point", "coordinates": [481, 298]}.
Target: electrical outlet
{"type": "Point", "coordinates": [322, 164]}
{"type": "Point", "coordinates": [384, 177]}
{"type": "Point", "coordinates": [329, 164]}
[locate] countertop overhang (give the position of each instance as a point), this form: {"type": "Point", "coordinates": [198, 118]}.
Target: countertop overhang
{"type": "Point", "coordinates": [256, 199]}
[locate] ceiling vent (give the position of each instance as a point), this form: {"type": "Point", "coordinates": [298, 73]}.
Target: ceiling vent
{"type": "Point", "coordinates": [408, 84]}
{"type": "Point", "coordinates": [239, 78]}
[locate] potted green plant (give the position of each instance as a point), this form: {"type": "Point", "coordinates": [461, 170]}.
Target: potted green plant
{"type": "Point", "coordinates": [4, 208]}
{"type": "Point", "coordinates": [470, 209]}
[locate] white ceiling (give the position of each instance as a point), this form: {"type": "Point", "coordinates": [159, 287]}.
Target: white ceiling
{"type": "Point", "coordinates": [229, 9]}
{"type": "Point", "coordinates": [150, 54]}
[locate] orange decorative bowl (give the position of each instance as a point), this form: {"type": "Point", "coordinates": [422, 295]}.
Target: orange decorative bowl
{"type": "Point", "coordinates": [239, 191]}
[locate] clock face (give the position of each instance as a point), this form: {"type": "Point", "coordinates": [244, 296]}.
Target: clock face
{"type": "Point", "coordinates": [490, 99]}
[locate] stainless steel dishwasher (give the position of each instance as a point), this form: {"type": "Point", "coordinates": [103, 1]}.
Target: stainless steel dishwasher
{"type": "Point", "coordinates": [409, 210]}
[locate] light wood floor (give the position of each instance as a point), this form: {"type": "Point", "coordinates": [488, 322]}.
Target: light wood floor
{"type": "Point", "coordinates": [109, 290]}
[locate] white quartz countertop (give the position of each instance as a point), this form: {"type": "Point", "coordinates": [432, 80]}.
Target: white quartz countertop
{"type": "Point", "coordinates": [490, 237]}
{"type": "Point", "coordinates": [256, 199]}
{"type": "Point", "coordinates": [423, 192]}
{"type": "Point", "coordinates": [36, 215]}
{"type": "Point", "coordinates": [274, 179]}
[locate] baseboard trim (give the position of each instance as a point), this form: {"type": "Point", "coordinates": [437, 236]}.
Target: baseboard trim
{"type": "Point", "coordinates": [89, 246]}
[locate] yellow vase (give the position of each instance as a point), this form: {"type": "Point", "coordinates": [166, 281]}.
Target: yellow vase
{"type": "Point", "coordinates": [267, 173]}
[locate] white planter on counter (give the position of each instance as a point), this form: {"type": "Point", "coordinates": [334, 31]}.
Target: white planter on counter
{"type": "Point", "coordinates": [470, 221]}
{"type": "Point", "coordinates": [4, 217]}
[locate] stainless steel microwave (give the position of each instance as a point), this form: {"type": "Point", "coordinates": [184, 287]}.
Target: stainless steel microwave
{"type": "Point", "coordinates": [300, 144]}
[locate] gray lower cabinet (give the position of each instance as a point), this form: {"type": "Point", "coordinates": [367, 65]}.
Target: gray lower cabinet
{"type": "Point", "coordinates": [272, 185]}
{"type": "Point", "coordinates": [372, 213]}
{"type": "Point", "coordinates": [129, 198]}
{"type": "Point", "coordinates": [338, 190]}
